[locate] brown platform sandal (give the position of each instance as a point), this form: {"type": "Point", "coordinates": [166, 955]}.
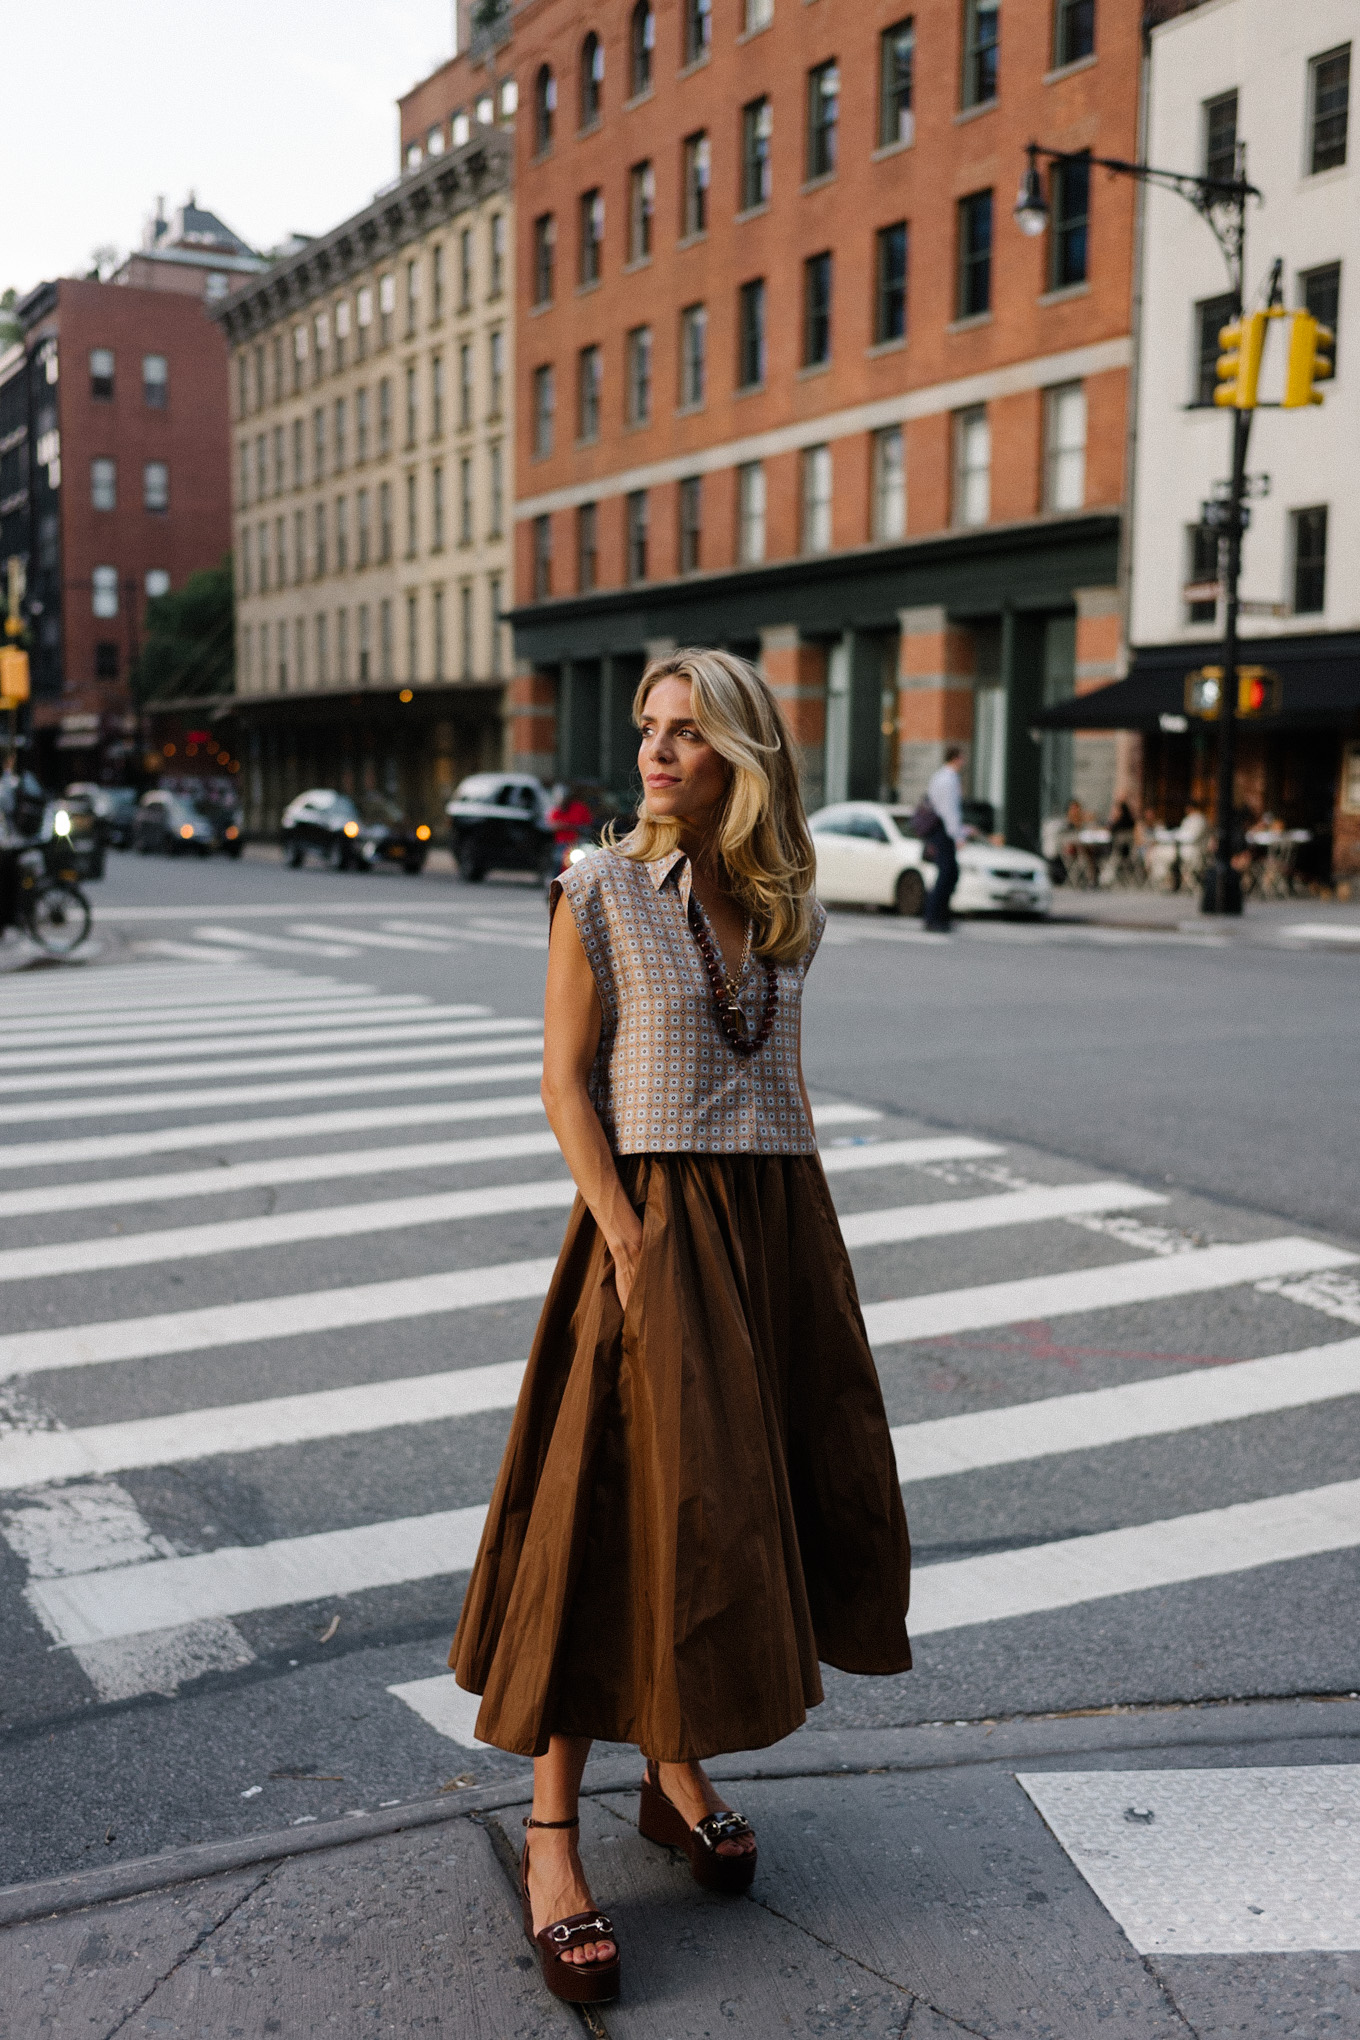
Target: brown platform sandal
{"type": "Point", "coordinates": [576, 1983]}
{"type": "Point", "coordinates": [659, 1820]}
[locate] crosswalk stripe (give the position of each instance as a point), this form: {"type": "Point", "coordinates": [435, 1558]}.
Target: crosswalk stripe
{"type": "Point", "coordinates": [128, 1600]}
{"type": "Point", "coordinates": [938, 1448]}
{"type": "Point", "coordinates": [491, 1038]}
{"type": "Point", "coordinates": [277, 1317]}
{"type": "Point", "coordinates": [983, 1214]}
{"type": "Point", "coordinates": [944, 1446]}
{"type": "Point", "coordinates": [179, 990]}
{"type": "Point", "coordinates": [281, 1169]}
{"type": "Point", "coordinates": [190, 952]}
{"type": "Point", "coordinates": [272, 1317]}
{"type": "Point", "coordinates": [117, 1105]}
{"type": "Point", "coordinates": [875, 1154]}
{"type": "Point", "coordinates": [372, 938]}
{"type": "Point", "coordinates": [945, 1312]}
{"type": "Point", "coordinates": [108, 1147]}
{"type": "Point", "coordinates": [310, 1031]}
{"type": "Point", "coordinates": [285, 1014]}
{"type": "Point", "coordinates": [287, 945]}
{"type": "Point", "coordinates": [483, 931]}
{"type": "Point", "coordinates": [1044, 1577]}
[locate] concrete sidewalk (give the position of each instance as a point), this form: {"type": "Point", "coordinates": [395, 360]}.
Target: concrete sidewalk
{"type": "Point", "coordinates": [908, 1885]}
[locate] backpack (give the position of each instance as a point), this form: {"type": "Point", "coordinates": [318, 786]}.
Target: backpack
{"type": "Point", "coordinates": [924, 820]}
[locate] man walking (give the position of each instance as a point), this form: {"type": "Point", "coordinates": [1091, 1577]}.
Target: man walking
{"type": "Point", "coordinates": [945, 797]}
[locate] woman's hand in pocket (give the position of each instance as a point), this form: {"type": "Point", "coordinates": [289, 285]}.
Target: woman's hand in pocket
{"type": "Point", "coordinates": [626, 1253]}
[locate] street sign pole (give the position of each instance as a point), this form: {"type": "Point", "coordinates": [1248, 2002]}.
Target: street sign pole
{"type": "Point", "coordinates": [1222, 892]}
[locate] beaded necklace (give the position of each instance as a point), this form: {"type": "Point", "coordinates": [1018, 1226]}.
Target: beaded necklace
{"type": "Point", "coordinates": [727, 989]}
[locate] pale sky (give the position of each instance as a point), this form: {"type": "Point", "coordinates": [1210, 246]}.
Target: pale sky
{"type": "Point", "coordinates": [280, 115]}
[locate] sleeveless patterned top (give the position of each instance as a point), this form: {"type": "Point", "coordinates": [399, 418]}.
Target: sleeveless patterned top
{"type": "Point", "coordinates": [665, 1080]}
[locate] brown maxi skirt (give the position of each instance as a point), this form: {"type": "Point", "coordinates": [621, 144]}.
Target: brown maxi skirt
{"type": "Point", "coordinates": [699, 1497]}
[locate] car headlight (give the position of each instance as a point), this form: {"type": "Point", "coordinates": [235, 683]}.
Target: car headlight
{"type": "Point", "coordinates": [186, 830]}
{"type": "Point", "coordinates": [351, 828]}
{"type": "Point", "coordinates": [61, 823]}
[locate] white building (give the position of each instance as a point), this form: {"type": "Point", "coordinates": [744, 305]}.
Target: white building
{"type": "Point", "coordinates": [1279, 79]}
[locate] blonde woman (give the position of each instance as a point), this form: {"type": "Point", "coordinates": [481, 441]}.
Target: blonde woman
{"type": "Point", "coordinates": [699, 1498]}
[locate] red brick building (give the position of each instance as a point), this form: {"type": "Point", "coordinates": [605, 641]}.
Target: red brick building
{"type": "Point", "coordinates": [790, 379]}
{"type": "Point", "coordinates": [114, 483]}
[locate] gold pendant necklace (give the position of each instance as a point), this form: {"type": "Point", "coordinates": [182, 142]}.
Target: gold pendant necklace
{"type": "Point", "coordinates": [732, 985]}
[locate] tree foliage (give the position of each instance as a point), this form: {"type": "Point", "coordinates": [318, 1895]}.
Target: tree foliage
{"type": "Point", "coordinates": [189, 649]}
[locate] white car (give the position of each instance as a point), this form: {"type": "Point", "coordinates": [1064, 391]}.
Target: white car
{"type": "Point", "coordinates": [866, 858]}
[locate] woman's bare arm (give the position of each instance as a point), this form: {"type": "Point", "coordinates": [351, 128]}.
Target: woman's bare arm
{"type": "Point", "coordinates": [571, 1034]}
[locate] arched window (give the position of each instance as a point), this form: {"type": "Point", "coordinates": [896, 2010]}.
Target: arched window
{"type": "Point", "coordinates": [592, 79]}
{"type": "Point", "coordinates": [545, 106]}
{"type": "Point", "coordinates": [642, 42]}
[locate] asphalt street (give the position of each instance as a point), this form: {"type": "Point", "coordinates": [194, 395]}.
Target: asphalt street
{"type": "Point", "coordinates": [279, 1209]}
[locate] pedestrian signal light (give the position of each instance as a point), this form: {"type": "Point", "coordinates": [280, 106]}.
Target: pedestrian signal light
{"type": "Point", "coordinates": [1242, 343]}
{"type": "Point", "coordinates": [1258, 692]}
{"type": "Point", "coordinates": [13, 676]}
{"type": "Point", "coordinates": [1312, 349]}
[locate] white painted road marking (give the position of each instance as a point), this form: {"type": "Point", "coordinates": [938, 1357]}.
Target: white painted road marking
{"type": "Point", "coordinates": [117, 1104]}
{"type": "Point", "coordinates": [1044, 1296]}
{"type": "Point", "coordinates": [1263, 1861]}
{"type": "Point", "coordinates": [983, 1214]}
{"type": "Point", "coordinates": [442, 1703]}
{"type": "Point", "coordinates": [369, 938]}
{"type": "Point", "coordinates": [292, 1016]}
{"type": "Point", "coordinates": [286, 946]}
{"type": "Point", "coordinates": [237, 1580]}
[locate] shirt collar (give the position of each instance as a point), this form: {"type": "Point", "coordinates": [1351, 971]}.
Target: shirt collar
{"type": "Point", "coordinates": [660, 869]}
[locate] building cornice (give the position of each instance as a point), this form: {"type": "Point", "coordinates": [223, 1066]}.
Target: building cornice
{"type": "Point", "coordinates": [438, 191]}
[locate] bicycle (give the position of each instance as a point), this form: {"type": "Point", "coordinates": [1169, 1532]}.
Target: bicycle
{"type": "Point", "coordinates": [42, 898]}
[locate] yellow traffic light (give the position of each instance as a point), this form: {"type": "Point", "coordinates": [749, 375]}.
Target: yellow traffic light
{"type": "Point", "coordinates": [1239, 364]}
{"type": "Point", "coordinates": [1311, 350]}
{"type": "Point", "coordinates": [13, 676]}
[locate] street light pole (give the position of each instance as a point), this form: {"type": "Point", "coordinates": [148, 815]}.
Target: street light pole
{"type": "Point", "coordinates": [1222, 203]}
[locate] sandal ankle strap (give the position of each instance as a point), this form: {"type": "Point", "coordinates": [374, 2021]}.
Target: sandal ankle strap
{"type": "Point", "coordinates": [574, 1822]}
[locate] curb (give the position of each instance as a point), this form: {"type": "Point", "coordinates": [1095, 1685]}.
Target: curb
{"type": "Point", "coordinates": [1102, 1733]}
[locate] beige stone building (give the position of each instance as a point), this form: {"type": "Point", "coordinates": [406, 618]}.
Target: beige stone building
{"type": "Point", "coordinates": [372, 397]}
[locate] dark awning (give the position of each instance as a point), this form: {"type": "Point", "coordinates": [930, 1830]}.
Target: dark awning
{"type": "Point", "coordinates": [1319, 686]}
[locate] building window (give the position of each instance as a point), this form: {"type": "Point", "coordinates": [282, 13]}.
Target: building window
{"type": "Point", "coordinates": [972, 466]}
{"type": "Point", "coordinates": [1065, 447]}
{"type": "Point", "coordinates": [365, 645]}
{"type": "Point", "coordinates": [757, 131]}
{"type": "Point", "coordinates": [542, 535]}
{"type": "Point", "coordinates": [751, 513]}
{"type": "Point", "coordinates": [1211, 315]}
{"type": "Point", "coordinates": [465, 385]}
{"type": "Point", "coordinates": [691, 523]}
{"type": "Point", "coordinates": [587, 548]}
{"type": "Point", "coordinates": [321, 340]}
{"type": "Point", "coordinates": [465, 660]}
{"type": "Point", "coordinates": [436, 509]}
{"type": "Point", "coordinates": [339, 423]}
{"type": "Point", "coordinates": [300, 651]}
{"type": "Point", "coordinates": [342, 644]}
{"type": "Point", "coordinates": [412, 406]}
{"type": "Point", "coordinates": [262, 558]}
{"type": "Point", "coordinates": [436, 396]}
{"type": "Point", "coordinates": [975, 255]}
{"type": "Point", "coordinates": [694, 210]}
{"type": "Point", "coordinates": [156, 486]}
{"type": "Point", "coordinates": [890, 284]}
{"type": "Point", "coordinates": [890, 484]}
{"type": "Point", "coordinates": [385, 415]}
{"type": "Point", "coordinates": [280, 553]}
{"type": "Point", "coordinates": [545, 107]}
{"type": "Point", "coordinates": [465, 270]}
{"type": "Point", "coordinates": [981, 50]}
{"type": "Point", "coordinates": [106, 659]}
{"type": "Point", "coordinates": [496, 357]}
{"type": "Point", "coordinates": [545, 409]}
{"type": "Point", "coordinates": [592, 80]}
{"type": "Point", "coordinates": [1074, 31]}
{"type": "Point", "coordinates": [385, 521]}
{"type": "Point", "coordinates": [156, 583]}
{"type": "Point", "coordinates": [1320, 293]}
{"type": "Point", "coordinates": [465, 500]}
{"type": "Point", "coordinates": [1330, 95]}
{"type": "Point", "coordinates": [816, 498]}
{"type": "Point", "coordinates": [341, 534]}
{"type": "Point", "coordinates": [436, 283]}
{"type": "Point", "coordinates": [101, 373]}
{"type": "Point", "coordinates": [1201, 552]}
{"type": "Point", "coordinates": [385, 639]}
{"type": "Point", "coordinates": [363, 536]}
{"type": "Point", "coordinates": [639, 358]}
{"type": "Point", "coordinates": [299, 457]}
{"type": "Point", "coordinates": [319, 540]}
{"type": "Point", "coordinates": [496, 281]}
{"type": "Point", "coordinates": [589, 385]}
{"type": "Point", "coordinates": [823, 119]}
{"type": "Point", "coordinates": [493, 591]}
{"type": "Point", "coordinates": [244, 558]}
{"type": "Point", "coordinates": [361, 425]}
{"type": "Point", "coordinates": [698, 29]}
{"type": "Point", "coordinates": [758, 14]}
{"type": "Point", "coordinates": [545, 258]}
{"type": "Point", "coordinates": [155, 381]}
{"type": "Point", "coordinates": [641, 44]}
{"type": "Point", "coordinates": [1069, 243]}
{"type": "Point", "coordinates": [1219, 123]}
{"type": "Point", "coordinates": [495, 524]}
{"type": "Point", "coordinates": [299, 546]}
{"type": "Point", "coordinates": [693, 356]}
{"type": "Point", "coordinates": [1310, 561]}
{"type": "Point", "coordinates": [641, 209]}
{"type": "Point", "coordinates": [323, 651]}
{"type": "Point", "coordinates": [438, 634]}
{"type": "Point", "coordinates": [592, 236]}
{"type": "Point", "coordinates": [277, 442]}
{"type": "Point", "coordinates": [318, 444]}
{"type": "Point", "coordinates": [635, 516]}
{"type": "Point", "coordinates": [817, 311]}
{"type": "Point", "coordinates": [104, 591]}
{"type": "Point", "coordinates": [103, 485]}
{"type": "Point", "coordinates": [751, 335]}
{"type": "Point", "coordinates": [896, 63]}
{"type": "Point", "coordinates": [411, 520]}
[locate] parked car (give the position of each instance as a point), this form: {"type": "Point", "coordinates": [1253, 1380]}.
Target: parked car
{"type": "Point", "coordinates": [176, 825]}
{"type": "Point", "coordinates": [498, 821]}
{"type": "Point", "coordinates": [71, 826]}
{"type": "Point", "coordinates": [865, 857]}
{"type": "Point", "coordinates": [352, 833]}
{"type": "Point", "coordinates": [115, 807]}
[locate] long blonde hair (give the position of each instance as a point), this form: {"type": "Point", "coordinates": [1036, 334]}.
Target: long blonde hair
{"type": "Point", "coordinates": [761, 835]}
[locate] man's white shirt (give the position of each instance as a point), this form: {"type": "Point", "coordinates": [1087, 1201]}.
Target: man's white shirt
{"type": "Point", "coordinates": [945, 796]}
